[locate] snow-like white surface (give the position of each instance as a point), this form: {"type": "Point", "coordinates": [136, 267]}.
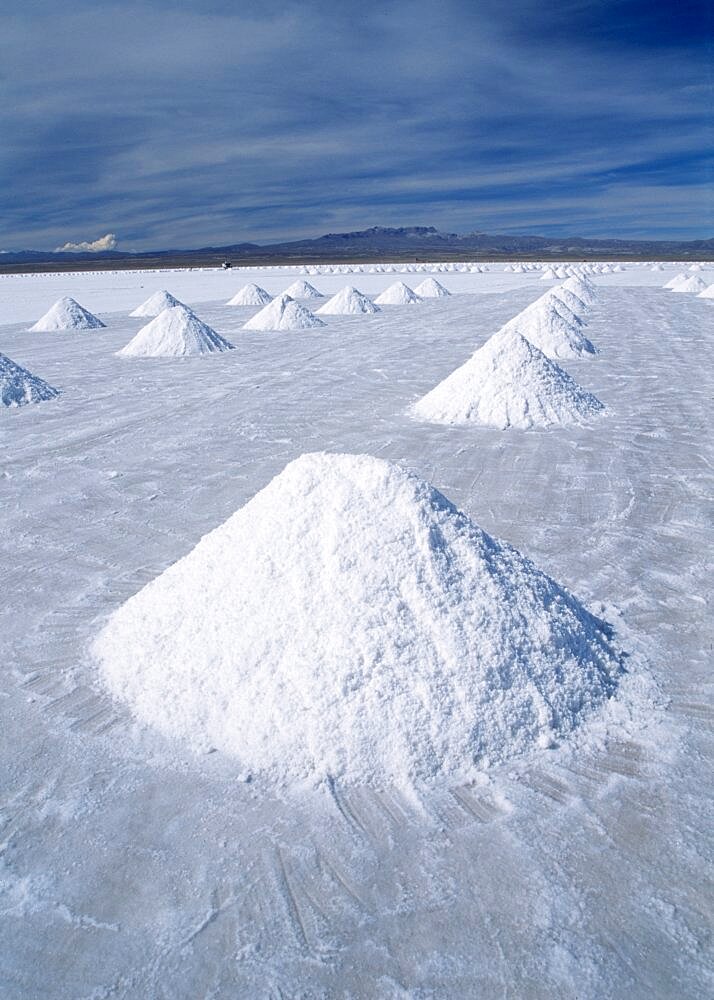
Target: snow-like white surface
{"type": "Point", "coordinates": [303, 290]}
{"type": "Point", "coordinates": [18, 386]}
{"type": "Point", "coordinates": [156, 304]}
{"type": "Point", "coordinates": [430, 288]}
{"type": "Point", "coordinates": [551, 327]}
{"type": "Point", "coordinates": [66, 314]}
{"type": "Point", "coordinates": [250, 295]}
{"type": "Point", "coordinates": [398, 294]}
{"type": "Point", "coordinates": [174, 333]}
{"type": "Point", "coordinates": [283, 313]}
{"type": "Point", "coordinates": [349, 301]}
{"type": "Point", "coordinates": [132, 869]}
{"type": "Point", "coordinates": [508, 383]}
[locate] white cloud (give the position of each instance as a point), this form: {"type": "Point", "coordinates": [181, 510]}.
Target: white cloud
{"type": "Point", "coordinates": [107, 242]}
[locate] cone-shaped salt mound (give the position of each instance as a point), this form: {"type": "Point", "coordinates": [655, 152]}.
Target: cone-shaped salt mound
{"type": "Point", "coordinates": [582, 287]}
{"type": "Point", "coordinates": [708, 293]}
{"type": "Point", "coordinates": [283, 313]}
{"type": "Point", "coordinates": [577, 306]}
{"type": "Point", "coordinates": [430, 288]}
{"type": "Point", "coordinates": [508, 383]}
{"type": "Point", "coordinates": [398, 294]}
{"type": "Point", "coordinates": [66, 314]}
{"type": "Point", "coordinates": [18, 386]}
{"type": "Point", "coordinates": [676, 280]}
{"type": "Point", "coordinates": [545, 326]}
{"type": "Point", "coordinates": [156, 304]}
{"type": "Point", "coordinates": [303, 290]}
{"type": "Point", "coordinates": [174, 333]}
{"type": "Point", "coordinates": [693, 284]}
{"type": "Point", "coordinates": [348, 302]}
{"type": "Point", "coordinates": [250, 295]}
{"type": "Point", "coordinates": [350, 622]}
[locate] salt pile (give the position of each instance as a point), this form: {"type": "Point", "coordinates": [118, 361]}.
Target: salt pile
{"type": "Point", "coordinates": [676, 280]}
{"type": "Point", "coordinates": [693, 284]}
{"type": "Point", "coordinates": [174, 333]}
{"type": "Point", "coordinates": [283, 313]}
{"type": "Point", "coordinates": [349, 622]}
{"type": "Point", "coordinates": [508, 383]}
{"type": "Point", "coordinates": [545, 326]}
{"type": "Point", "coordinates": [708, 293]}
{"type": "Point", "coordinates": [66, 314]}
{"type": "Point", "coordinates": [574, 303]}
{"type": "Point", "coordinates": [348, 302]}
{"type": "Point", "coordinates": [430, 288]}
{"type": "Point", "coordinates": [397, 294]}
{"type": "Point", "coordinates": [19, 387]}
{"type": "Point", "coordinates": [303, 290]}
{"type": "Point", "coordinates": [582, 287]}
{"type": "Point", "coordinates": [250, 295]}
{"type": "Point", "coordinates": [156, 304]}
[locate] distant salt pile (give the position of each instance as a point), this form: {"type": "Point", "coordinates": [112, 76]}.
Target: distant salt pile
{"type": "Point", "coordinates": [545, 326]}
{"type": "Point", "coordinates": [430, 288]}
{"type": "Point", "coordinates": [156, 304]}
{"type": "Point", "coordinates": [250, 295]}
{"type": "Point", "coordinates": [350, 623]}
{"type": "Point", "coordinates": [303, 290]}
{"type": "Point", "coordinates": [549, 275]}
{"type": "Point", "coordinates": [283, 313]}
{"type": "Point", "coordinates": [348, 302]}
{"type": "Point", "coordinates": [676, 280]}
{"type": "Point", "coordinates": [174, 333]}
{"type": "Point", "coordinates": [397, 294]}
{"type": "Point", "coordinates": [708, 293]}
{"type": "Point", "coordinates": [19, 387]}
{"type": "Point", "coordinates": [693, 284]}
{"type": "Point", "coordinates": [67, 314]}
{"type": "Point", "coordinates": [508, 383]}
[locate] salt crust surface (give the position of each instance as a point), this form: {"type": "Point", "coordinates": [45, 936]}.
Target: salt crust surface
{"type": "Point", "coordinates": [348, 302]}
{"type": "Point", "coordinates": [508, 383]}
{"type": "Point", "coordinates": [174, 333]}
{"type": "Point", "coordinates": [66, 314]}
{"type": "Point", "coordinates": [349, 622]}
{"type": "Point", "coordinates": [18, 386]}
{"type": "Point", "coordinates": [430, 288]}
{"type": "Point", "coordinates": [250, 295]}
{"type": "Point", "coordinates": [398, 294]}
{"type": "Point", "coordinates": [156, 304]}
{"type": "Point", "coordinates": [283, 313]}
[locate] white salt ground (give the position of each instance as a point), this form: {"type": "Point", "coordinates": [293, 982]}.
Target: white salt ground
{"type": "Point", "coordinates": [174, 333]}
{"type": "Point", "coordinates": [349, 622]}
{"type": "Point", "coordinates": [18, 386]}
{"type": "Point", "coordinates": [66, 314]}
{"type": "Point", "coordinates": [508, 383]}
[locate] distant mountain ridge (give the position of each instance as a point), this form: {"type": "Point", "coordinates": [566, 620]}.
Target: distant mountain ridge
{"type": "Point", "coordinates": [401, 243]}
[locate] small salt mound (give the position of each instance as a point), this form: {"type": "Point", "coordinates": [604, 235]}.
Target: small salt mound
{"type": "Point", "coordinates": [508, 383]}
{"type": "Point", "coordinates": [349, 622]}
{"type": "Point", "coordinates": [397, 294]}
{"type": "Point", "coordinates": [693, 284]}
{"type": "Point", "coordinates": [348, 302]}
{"type": "Point", "coordinates": [544, 325]}
{"type": "Point", "coordinates": [250, 295]}
{"type": "Point", "coordinates": [708, 293]}
{"type": "Point", "coordinates": [303, 290]}
{"type": "Point", "coordinates": [18, 386]}
{"type": "Point", "coordinates": [66, 314]}
{"type": "Point", "coordinates": [430, 288]}
{"type": "Point", "coordinates": [676, 280]}
{"type": "Point", "coordinates": [174, 333]}
{"type": "Point", "coordinates": [283, 313]}
{"type": "Point", "coordinates": [156, 304]}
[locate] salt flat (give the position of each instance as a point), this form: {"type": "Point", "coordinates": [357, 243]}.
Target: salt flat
{"type": "Point", "coordinates": [130, 868]}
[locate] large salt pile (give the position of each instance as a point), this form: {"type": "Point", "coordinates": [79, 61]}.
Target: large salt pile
{"type": "Point", "coordinates": [508, 383]}
{"type": "Point", "coordinates": [156, 304]}
{"type": "Point", "coordinates": [582, 287]}
{"type": "Point", "coordinates": [545, 326]}
{"type": "Point", "coordinates": [303, 290]}
{"type": "Point", "coordinates": [577, 306]}
{"type": "Point", "coordinates": [250, 295]}
{"type": "Point", "coordinates": [18, 386]}
{"type": "Point", "coordinates": [397, 294]}
{"type": "Point", "coordinates": [174, 333]}
{"type": "Point", "coordinates": [66, 314]}
{"type": "Point", "coordinates": [349, 622]}
{"type": "Point", "coordinates": [283, 313]}
{"type": "Point", "coordinates": [693, 284]}
{"type": "Point", "coordinates": [430, 288]}
{"type": "Point", "coordinates": [348, 302]}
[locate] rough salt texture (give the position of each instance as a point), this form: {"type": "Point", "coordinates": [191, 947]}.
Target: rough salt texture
{"type": "Point", "coordinates": [430, 288]}
{"type": "Point", "coordinates": [303, 290]}
{"type": "Point", "coordinates": [156, 304]}
{"type": "Point", "coordinates": [348, 302]}
{"type": "Point", "coordinates": [398, 294]}
{"type": "Point", "coordinates": [349, 622]}
{"type": "Point", "coordinates": [283, 313]}
{"type": "Point", "coordinates": [250, 295]}
{"type": "Point", "coordinates": [508, 383]}
{"type": "Point", "coordinates": [66, 314]}
{"type": "Point", "coordinates": [18, 386]}
{"type": "Point", "coordinates": [175, 333]}
{"type": "Point", "coordinates": [545, 325]}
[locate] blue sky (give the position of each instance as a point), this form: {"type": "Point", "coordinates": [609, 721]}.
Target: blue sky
{"type": "Point", "coordinates": [178, 125]}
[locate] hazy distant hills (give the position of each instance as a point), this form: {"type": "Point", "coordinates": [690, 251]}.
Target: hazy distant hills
{"type": "Point", "coordinates": [404, 243]}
